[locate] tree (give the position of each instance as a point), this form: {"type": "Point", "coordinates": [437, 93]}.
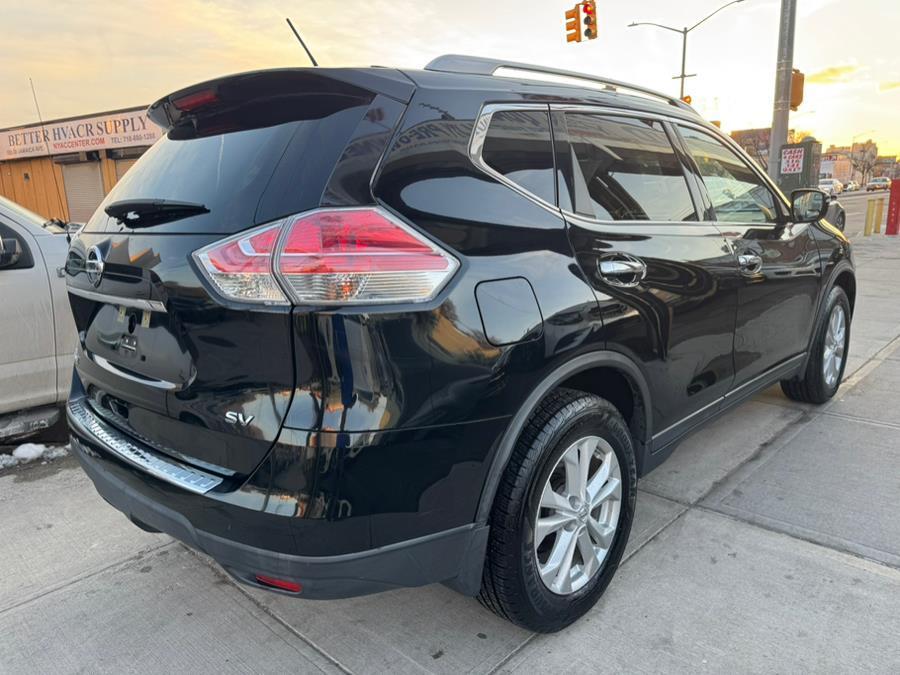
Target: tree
{"type": "Point", "coordinates": [863, 157]}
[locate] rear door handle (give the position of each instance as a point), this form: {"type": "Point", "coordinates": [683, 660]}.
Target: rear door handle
{"type": "Point", "coordinates": [751, 264]}
{"type": "Point", "coordinates": [623, 271]}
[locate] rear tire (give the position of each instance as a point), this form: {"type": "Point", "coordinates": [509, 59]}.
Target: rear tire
{"type": "Point", "coordinates": [525, 581]}
{"type": "Point", "coordinates": [828, 358]}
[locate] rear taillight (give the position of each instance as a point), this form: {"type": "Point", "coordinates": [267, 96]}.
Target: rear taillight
{"type": "Point", "coordinates": [241, 267]}
{"type": "Point", "coordinates": [329, 257]}
{"type": "Point", "coordinates": [359, 256]}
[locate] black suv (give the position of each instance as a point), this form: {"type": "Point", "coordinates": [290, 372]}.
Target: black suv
{"type": "Point", "coordinates": [347, 330]}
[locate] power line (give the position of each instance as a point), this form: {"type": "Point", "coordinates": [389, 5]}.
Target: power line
{"type": "Point", "coordinates": [45, 139]}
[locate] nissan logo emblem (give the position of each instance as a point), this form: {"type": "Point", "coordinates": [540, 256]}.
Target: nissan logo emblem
{"type": "Point", "coordinates": [94, 266]}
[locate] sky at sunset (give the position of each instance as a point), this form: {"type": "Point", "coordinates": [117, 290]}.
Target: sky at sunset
{"type": "Point", "coordinates": [92, 56]}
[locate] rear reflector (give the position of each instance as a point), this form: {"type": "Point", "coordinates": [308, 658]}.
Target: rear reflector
{"type": "Point", "coordinates": [329, 257]}
{"type": "Point", "coordinates": [281, 584]}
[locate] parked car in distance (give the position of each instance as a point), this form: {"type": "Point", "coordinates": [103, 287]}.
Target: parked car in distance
{"type": "Point", "coordinates": [852, 186]}
{"type": "Point", "coordinates": [876, 184]}
{"type": "Point", "coordinates": [832, 186]}
{"type": "Point", "coordinates": [37, 333]}
{"type": "Point", "coordinates": [835, 213]}
{"type": "Point", "coordinates": [440, 329]}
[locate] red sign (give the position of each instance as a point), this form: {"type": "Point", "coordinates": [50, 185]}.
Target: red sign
{"type": "Point", "coordinates": [893, 219]}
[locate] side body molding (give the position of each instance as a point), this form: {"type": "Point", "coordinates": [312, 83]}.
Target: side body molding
{"type": "Point", "coordinates": [596, 359]}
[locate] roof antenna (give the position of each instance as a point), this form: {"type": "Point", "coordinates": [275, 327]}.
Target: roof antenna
{"type": "Point", "coordinates": [308, 53]}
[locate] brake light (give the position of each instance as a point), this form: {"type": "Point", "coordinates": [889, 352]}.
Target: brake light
{"type": "Point", "coordinates": [329, 257]}
{"type": "Point", "coordinates": [195, 100]}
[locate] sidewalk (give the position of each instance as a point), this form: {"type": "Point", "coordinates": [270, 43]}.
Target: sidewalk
{"type": "Point", "coordinates": [769, 541]}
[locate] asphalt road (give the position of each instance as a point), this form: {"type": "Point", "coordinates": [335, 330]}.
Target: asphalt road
{"type": "Point", "coordinates": [855, 205]}
{"type": "Point", "coordinates": [768, 542]}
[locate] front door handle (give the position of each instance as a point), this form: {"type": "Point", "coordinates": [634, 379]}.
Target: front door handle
{"type": "Point", "coordinates": [749, 263]}
{"type": "Point", "coordinates": [621, 270]}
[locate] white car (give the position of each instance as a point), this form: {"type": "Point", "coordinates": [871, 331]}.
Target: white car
{"type": "Point", "coordinates": [881, 183]}
{"type": "Point", "coordinates": [831, 186]}
{"type": "Point", "coordinates": [37, 333]}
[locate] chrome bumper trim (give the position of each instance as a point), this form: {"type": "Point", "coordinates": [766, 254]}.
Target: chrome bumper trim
{"type": "Point", "coordinates": [115, 370]}
{"type": "Point", "coordinates": [136, 303]}
{"type": "Point", "coordinates": [117, 443]}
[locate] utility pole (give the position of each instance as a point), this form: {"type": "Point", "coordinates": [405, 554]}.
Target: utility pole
{"type": "Point", "coordinates": [783, 70]}
{"type": "Point", "coordinates": [684, 75]}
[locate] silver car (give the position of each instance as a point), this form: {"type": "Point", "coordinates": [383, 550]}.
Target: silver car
{"type": "Point", "coordinates": [37, 333]}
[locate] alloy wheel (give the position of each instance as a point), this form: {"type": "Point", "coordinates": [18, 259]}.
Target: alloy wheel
{"type": "Point", "coordinates": [835, 344]}
{"type": "Point", "coordinates": [578, 514]}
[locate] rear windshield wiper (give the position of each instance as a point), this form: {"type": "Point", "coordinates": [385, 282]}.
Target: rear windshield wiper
{"type": "Point", "coordinates": [147, 212]}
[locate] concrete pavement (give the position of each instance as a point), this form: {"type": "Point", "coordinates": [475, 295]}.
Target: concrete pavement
{"type": "Point", "coordinates": [768, 542]}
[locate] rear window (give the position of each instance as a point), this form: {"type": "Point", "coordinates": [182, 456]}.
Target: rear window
{"type": "Point", "coordinates": [230, 173]}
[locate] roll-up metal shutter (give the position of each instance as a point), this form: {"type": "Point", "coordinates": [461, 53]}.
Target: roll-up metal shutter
{"type": "Point", "coordinates": [84, 189]}
{"type": "Point", "coordinates": [122, 165]}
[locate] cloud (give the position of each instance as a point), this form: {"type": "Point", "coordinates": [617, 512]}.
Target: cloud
{"type": "Point", "coordinates": [888, 86]}
{"type": "Point", "coordinates": [833, 75]}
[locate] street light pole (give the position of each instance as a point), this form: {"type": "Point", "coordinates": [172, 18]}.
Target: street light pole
{"type": "Point", "coordinates": [683, 61]}
{"type": "Point", "coordinates": [684, 35]}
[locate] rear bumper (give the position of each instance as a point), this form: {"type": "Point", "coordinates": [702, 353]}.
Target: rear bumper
{"type": "Point", "coordinates": [454, 556]}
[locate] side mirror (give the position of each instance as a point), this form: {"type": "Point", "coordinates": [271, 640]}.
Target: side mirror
{"type": "Point", "coordinates": [808, 205]}
{"type": "Point", "coordinates": [9, 252]}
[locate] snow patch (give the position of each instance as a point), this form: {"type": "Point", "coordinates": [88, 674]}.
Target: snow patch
{"type": "Point", "coordinates": [30, 452]}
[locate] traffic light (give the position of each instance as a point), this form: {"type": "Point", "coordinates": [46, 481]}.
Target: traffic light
{"type": "Point", "coordinates": [797, 80]}
{"type": "Point", "coordinates": [589, 9]}
{"type": "Point", "coordinates": [573, 28]}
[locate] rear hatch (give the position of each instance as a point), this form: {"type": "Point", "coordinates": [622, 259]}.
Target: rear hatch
{"type": "Point", "coordinates": [162, 355]}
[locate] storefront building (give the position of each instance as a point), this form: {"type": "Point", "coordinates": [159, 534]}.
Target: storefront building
{"type": "Point", "coordinates": [63, 168]}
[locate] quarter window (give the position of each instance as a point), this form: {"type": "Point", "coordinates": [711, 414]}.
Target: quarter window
{"type": "Point", "coordinates": [625, 169]}
{"type": "Point", "coordinates": [738, 194]}
{"type": "Point", "coordinates": [518, 146]}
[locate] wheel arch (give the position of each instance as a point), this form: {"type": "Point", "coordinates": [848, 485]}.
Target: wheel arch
{"type": "Point", "coordinates": [846, 279]}
{"type": "Point", "coordinates": [843, 276]}
{"type": "Point", "coordinates": [574, 372]}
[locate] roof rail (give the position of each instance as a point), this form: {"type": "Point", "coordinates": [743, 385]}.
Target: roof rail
{"type": "Point", "coordinates": [476, 65]}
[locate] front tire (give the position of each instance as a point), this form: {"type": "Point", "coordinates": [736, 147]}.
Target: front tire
{"type": "Point", "coordinates": [562, 513]}
{"type": "Point", "coordinates": [828, 358]}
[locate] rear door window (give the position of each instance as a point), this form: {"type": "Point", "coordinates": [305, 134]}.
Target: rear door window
{"type": "Point", "coordinates": [738, 194]}
{"type": "Point", "coordinates": [519, 147]}
{"type": "Point", "coordinates": [626, 169]}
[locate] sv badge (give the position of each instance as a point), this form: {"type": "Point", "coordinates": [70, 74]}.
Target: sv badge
{"type": "Point", "coordinates": [238, 418]}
